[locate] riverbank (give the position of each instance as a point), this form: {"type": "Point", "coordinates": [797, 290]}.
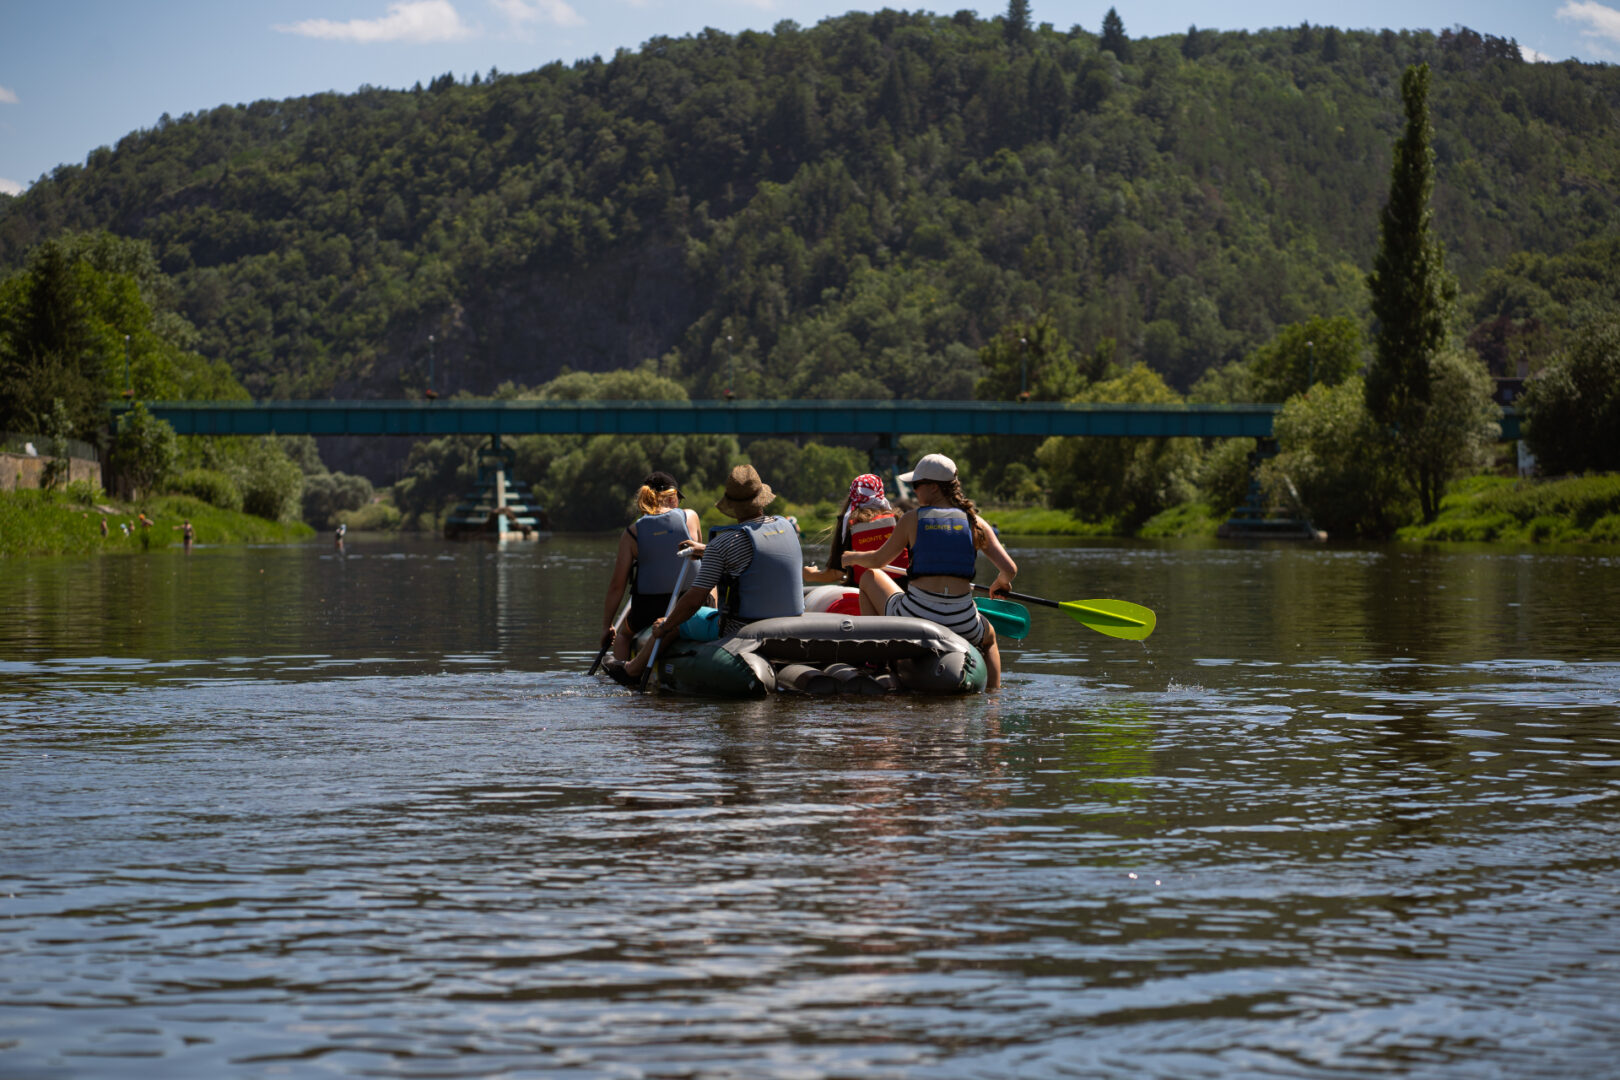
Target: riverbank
{"type": "Point", "coordinates": [1496, 509]}
{"type": "Point", "coordinates": [51, 523]}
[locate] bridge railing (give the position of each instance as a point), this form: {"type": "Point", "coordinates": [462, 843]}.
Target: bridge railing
{"type": "Point", "coordinates": [463, 416]}
{"type": "Point", "coordinates": [488, 417]}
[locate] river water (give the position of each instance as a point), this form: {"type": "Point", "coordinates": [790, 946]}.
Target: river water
{"type": "Point", "coordinates": [290, 812]}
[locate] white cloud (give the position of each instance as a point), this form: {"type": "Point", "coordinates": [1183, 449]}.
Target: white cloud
{"type": "Point", "coordinates": [1533, 56]}
{"type": "Point", "coordinates": [1601, 21]}
{"type": "Point", "coordinates": [418, 21]}
{"type": "Point", "coordinates": [8, 96]}
{"type": "Point", "coordinates": [10, 187]}
{"type": "Point", "coordinates": [555, 12]}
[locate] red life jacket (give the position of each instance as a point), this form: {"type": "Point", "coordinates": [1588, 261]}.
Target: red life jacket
{"type": "Point", "coordinates": [872, 535]}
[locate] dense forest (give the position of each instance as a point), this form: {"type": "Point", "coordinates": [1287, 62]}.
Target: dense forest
{"type": "Point", "coordinates": [853, 209]}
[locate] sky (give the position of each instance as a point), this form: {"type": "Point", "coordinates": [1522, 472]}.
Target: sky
{"type": "Point", "coordinates": [79, 74]}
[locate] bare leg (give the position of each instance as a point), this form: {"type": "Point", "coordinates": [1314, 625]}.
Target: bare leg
{"type": "Point", "coordinates": [639, 664]}
{"type": "Point", "coordinates": [876, 588]}
{"type": "Point", "coordinates": [992, 658]}
{"type": "Point", "coordinates": [621, 642]}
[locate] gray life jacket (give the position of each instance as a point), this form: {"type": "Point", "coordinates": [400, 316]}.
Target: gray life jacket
{"type": "Point", "coordinates": [773, 585]}
{"type": "Point", "coordinates": [944, 543]}
{"type": "Point", "coordinates": [657, 566]}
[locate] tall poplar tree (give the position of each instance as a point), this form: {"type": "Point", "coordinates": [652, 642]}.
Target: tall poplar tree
{"type": "Point", "coordinates": [1412, 296]}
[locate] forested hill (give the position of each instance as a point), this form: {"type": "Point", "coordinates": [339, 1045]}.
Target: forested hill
{"type": "Point", "coordinates": [837, 211]}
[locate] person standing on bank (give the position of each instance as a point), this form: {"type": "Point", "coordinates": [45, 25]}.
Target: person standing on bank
{"type": "Point", "coordinates": [945, 535]}
{"type": "Point", "coordinates": [756, 564]}
{"type": "Point", "coordinates": [647, 561]}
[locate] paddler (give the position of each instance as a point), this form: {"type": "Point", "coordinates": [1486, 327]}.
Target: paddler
{"type": "Point", "coordinates": [756, 564]}
{"type": "Point", "coordinates": [647, 560]}
{"type": "Point", "coordinates": [945, 535]}
{"type": "Point", "coordinates": [864, 523]}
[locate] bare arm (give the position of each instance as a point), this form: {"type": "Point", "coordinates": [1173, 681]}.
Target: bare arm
{"type": "Point", "coordinates": [904, 536]}
{"type": "Point", "coordinates": [1003, 562]}
{"type": "Point", "coordinates": [617, 583]}
{"type": "Point", "coordinates": [684, 609]}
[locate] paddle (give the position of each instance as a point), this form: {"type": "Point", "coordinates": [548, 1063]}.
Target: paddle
{"type": "Point", "coordinates": [674, 597]}
{"type": "Point", "coordinates": [624, 609]}
{"type": "Point", "coordinates": [1116, 618]}
{"type": "Point", "coordinates": [1009, 619]}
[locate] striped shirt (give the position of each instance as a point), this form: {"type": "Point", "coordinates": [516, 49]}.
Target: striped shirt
{"type": "Point", "coordinates": [728, 555]}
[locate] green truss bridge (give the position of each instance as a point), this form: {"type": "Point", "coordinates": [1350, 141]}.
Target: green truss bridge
{"type": "Point", "coordinates": [464, 416]}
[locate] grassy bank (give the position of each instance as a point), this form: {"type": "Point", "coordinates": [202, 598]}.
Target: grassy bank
{"type": "Point", "coordinates": [48, 523]}
{"type": "Point", "coordinates": [1494, 509]}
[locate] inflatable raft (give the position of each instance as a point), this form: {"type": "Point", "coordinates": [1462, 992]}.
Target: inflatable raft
{"type": "Point", "coordinates": [822, 653]}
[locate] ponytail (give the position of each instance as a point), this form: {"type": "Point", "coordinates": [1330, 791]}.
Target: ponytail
{"type": "Point", "coordinates": [650, 501]}
{"type": "Point", "coordinates": [952, 490]}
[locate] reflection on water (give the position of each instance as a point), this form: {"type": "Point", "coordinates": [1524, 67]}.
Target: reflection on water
{"type": "Point", "coordinates": [286, 811]}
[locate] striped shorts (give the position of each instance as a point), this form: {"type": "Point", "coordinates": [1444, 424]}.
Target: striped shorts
{"type": "Point", "coordinates": [955, 613]}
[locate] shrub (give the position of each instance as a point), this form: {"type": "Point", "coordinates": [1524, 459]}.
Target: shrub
{"type": "Point", "coordinates": [1335, 456]}
{"type": "Point", "coordinates": [1572, 408]}
{"type": "Point", "coordinates": [328, 495]}
{"type": "Point", "coordinates": [84, 492]}
{"type": "Point", "coordinates": [372, 517]}
{"type": "Point", "coordinates": [1225, 473]}
{"type": "Point", "coordinates": [271, 483]}
{"type": "Point", "coordinates": [145, 450]}
{"type": "Point", "coordinates": [211, 486]}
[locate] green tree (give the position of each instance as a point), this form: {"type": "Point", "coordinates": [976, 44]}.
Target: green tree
{"type": "Point", "coordinates": [1412, 297]}
{"type": "Point", "coordinates": [1572, 409]}
{"type": "Point", "coordinates": [1334, 459]}
{"type": "Point", "coordinates": [1028, 361]}
{"type": "Point", "coordinates": [272, 484]}
{"type": "Point", "coordinates": [1016, 26]}
{"type": "Point", "coordinates": [1113, 36]}
{"type": "Point", "coordinates": [144, 451]}
{"type": "Point", "coordinates": [1319, 350]}
{"type": "Point", "coordinates": [1124, 480]}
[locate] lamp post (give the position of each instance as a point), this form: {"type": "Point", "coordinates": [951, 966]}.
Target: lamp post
{"type": "Point", "coordinates": [731, 370]}
{"type": "Point", "coordinates": [431, 393]}
{"type": "Point", "coordinates": [1023, 369]}
{"type": "Point", "coordinates": [129, 386]}
{"type": "Point", "coordinates": [1310, 369]}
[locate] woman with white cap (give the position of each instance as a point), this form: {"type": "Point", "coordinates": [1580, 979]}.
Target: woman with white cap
{"type": "Point", "coordinates": [945, 535]}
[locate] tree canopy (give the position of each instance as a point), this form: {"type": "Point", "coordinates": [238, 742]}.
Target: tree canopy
{"type": "Point", "coordinates": [837, 210]}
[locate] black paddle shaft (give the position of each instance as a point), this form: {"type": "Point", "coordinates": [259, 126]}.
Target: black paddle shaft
{"type": "Point", "coordinates": [1021, 597]}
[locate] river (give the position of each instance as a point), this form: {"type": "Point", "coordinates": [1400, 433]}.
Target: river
{"type": "Point", "coordinates": [286, 811]}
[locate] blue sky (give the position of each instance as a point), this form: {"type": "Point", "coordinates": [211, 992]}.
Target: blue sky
{"type": "Point", "coordinates": [78, 74]}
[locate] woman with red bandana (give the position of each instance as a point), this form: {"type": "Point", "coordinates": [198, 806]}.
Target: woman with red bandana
{"type": "Point", "coordinates": [864, 523]}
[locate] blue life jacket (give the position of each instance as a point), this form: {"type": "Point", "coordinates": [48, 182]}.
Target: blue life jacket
{"type": "Point", "coordinates": [944, 543]}
{"type": "Point", "coordinates": [657, 565]}
{"type": "Point", "coordinates": [773, 585]}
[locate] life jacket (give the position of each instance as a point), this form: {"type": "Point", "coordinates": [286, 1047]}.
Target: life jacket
{"type": "Point", "coordinates": [773, 584]}
{"type": "Point", "coordinates": [944, 543]}
{"type": "Point", "coordinates": [657, 566]}
{"type": "Point", "coordinates": [872, 535]}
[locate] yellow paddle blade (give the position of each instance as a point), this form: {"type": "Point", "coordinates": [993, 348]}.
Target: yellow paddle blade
{"type": "Point", "coordinates": [1116, 618]}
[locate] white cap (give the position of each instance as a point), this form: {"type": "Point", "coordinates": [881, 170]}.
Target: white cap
{"type": "Point", "coordinates": [931, 467]}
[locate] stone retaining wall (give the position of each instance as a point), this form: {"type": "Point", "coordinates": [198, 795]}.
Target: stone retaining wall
{"type": "Point", "coordinates": [22, 471]}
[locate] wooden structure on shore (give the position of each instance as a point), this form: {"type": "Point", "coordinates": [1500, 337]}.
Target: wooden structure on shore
{"type": "Point", "coordinates": [498, 507]}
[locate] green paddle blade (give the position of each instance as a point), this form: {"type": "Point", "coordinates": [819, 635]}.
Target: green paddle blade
{"type": "Point", "coordinates": [1009, 619]}
{"type": "Point", "coordinates": [1116, 618]}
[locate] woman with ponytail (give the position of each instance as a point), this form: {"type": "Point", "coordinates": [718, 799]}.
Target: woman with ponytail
{"type": "Point", "coordinates": [647, 562]}
{"type": "Point", "coordinates": [944, 534]}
